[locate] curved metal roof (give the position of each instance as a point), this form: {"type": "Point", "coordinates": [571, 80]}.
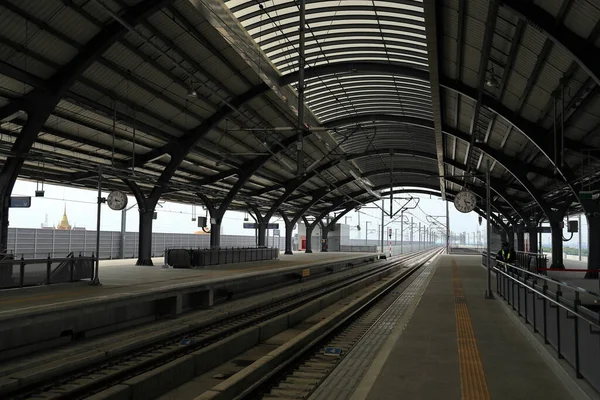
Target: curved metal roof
{"type": "Point", "coordinates": [106, 83]}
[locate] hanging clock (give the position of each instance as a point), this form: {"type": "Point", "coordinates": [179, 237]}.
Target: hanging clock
{"type": "Point", "coordinates": [117, 200]}
{"type": "Point", "coordinates": [465, 201]}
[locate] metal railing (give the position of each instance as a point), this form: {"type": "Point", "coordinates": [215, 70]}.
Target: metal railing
{"type": "Point", "coordinates": [532, 261]}
{"type": "Point", "coordinates": [21, 272]}
{"type": "Point", "coordinates": [567, 317]}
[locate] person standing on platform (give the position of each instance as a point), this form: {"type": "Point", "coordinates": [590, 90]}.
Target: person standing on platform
{"type": "Point", "coordinates": [506, 254]}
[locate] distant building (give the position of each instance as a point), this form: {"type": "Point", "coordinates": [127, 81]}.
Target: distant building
{"type": "Point", "coordinates": [63, 225]}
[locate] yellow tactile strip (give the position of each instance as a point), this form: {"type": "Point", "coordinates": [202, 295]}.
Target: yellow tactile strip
{"type": "Point", "coordinates": [472, 377]}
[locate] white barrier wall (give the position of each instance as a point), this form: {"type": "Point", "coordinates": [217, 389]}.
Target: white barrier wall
{"type": "Point", "coordinates": [41, 242]}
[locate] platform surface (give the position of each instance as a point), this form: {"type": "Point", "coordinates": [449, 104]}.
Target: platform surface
{"type": "Point", "coordinates": [124, 277]}
{"type": "Point", "coordinates": [454, 345]}
{"type": "Point", "coordinates": [575, 278]}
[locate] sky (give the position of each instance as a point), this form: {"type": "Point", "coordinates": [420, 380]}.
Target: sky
{"type": "Point", "coordinates": [177, 218]}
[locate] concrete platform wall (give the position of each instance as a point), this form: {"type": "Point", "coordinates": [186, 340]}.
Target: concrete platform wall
{"type": "Point", "coordinates": [23, 331]}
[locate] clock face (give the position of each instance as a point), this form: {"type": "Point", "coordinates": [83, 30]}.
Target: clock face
{"type": "Point", "coordinates": [117, 200]}
{"type": "Point", "coordinates": [465, 201]}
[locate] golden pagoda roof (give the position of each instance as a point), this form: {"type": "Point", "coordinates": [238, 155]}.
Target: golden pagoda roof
{"type": "Point", "coordinates": [64, 222]}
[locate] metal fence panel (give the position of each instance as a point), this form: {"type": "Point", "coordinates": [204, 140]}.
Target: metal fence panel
{"type": "Point", "coordinates": [41, 242]}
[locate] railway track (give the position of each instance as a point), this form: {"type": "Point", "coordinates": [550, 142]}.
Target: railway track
{"type": "Point", "coordinates": [304, 361]}
{"type": "Point", "coordinates": [99, 376]}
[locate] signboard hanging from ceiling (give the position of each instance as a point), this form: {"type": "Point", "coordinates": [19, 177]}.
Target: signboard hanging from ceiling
{"type": "Point", "coordinates": [20, 202]}
{"type": "Point", "coordinates": [254, 225]}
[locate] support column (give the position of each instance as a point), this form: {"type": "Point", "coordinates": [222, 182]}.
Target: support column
{"type": "Point", "coordinates": [593, 220]}
{"type": "Point", "coordinates": [557, 243]}
{"type": "Point", "coordinates": [520, 238]}
{"type": "Point", "coordinates": [592, 213]}
{"type": "Point", "coordinates": [262, 224]}
{"type": "Point", "coordinates": [324, 234]}
{"type": "Point", "coordinates": [309, 231]}
{"type": "Point", "coordinates": [215, 234]}
{"type": "Point", "coordinates": [503, 235]}
{"type": "Point", "coordinates": [145, 242]}
{"type": "Point", "coordinates": [146, 207]}
{"type": "Point", "coordinates": [4, 203]}
{"type": "Point", "coordinates": [289, 228]}
{"type": "Point", "coordinates": [533, 238]}
{"type": "Point", "coordinates": [262, 233]}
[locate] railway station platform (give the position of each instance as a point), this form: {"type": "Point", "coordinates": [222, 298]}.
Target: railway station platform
{"type": "Point", "coordinates": [443, 340]}
{"type": "Point", "coordinates": [132, 294]}
{"type": "Point", "coordinates": [574, 274]}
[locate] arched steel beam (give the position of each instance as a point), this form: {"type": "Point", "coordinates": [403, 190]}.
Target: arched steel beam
{"type": "Point", "coordinates": [585, 55]}
{"type": "Point", "coordinates": [534, 133]}
{"type": "Point", "coordinates": [529, 129]}
{"type": "Point", "coordinates": [340, 32]}
{"type": "Point", "coordinates": [478, 209]}
{"type": "Point", "coordinates": [537, 135]}
{"type": "Point", "coordinates": [503, 159]}
{"type": "Point", "coordinates": [451, 194]}
{"type": "Point", "coordinates": [355, 156]}
{"type": "Point", "coordinates": [477, 190]}
{"type": "Point", "coordinates": [426, 186]}
{"type": "Point", "coordinates": [39, 103]}
{"type": "Point", "coordinates": [515, 167]}
{"type": "Point", "coordinates": [414, 171]}
{"type": "Point", "coordinates": [181, 148]}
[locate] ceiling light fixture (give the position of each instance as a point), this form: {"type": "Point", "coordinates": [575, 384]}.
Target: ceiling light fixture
{"type": "Point", "coordinates": [492, 81]}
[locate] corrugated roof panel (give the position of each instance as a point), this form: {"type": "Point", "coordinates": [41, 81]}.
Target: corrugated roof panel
{"type": "Point", "coordinates": [582, 17]}
{"type": "Point", "coordinates": [67, 21]}
{"type": "Point", "coordinates": [522, 69]}
{"type": "Point", "coordinates": [85, 91]}
{"type": "Point", "coordinates": [552, 6]}
{"type": "Point", "coordinates": [497, 135]}
{"type": "Point", "coordinates": [560, 59]}
{"type": "Point", "coordinates": [499, 51]}
{"type": "Point", "coordinates": [514, 143]}
{"type": "Point", "coordinates": [576, 133]}
{"type": "Point", "coordinates": [126, 60]}
{"type": "Point", "coordinates": [587, 125]}
{"type": "Point", "coordinates": [163, 108]}
{"type": "Point", "coordinates": [106, 78]}
{"type": "Point", "coordinates": [473, 32]}
{"type": "Point", "coordinates": [469, 76]}
{"type": "Point", "coordinates": [449, 63]}
{"type": "Point", "coordinates": [535, 104]}
{"type": "Point", "coordinates": [450, 105]}
{"type": "Point", "coordinates": [467, 106]}
{"type": "Point", "coordinates": [450, 18]}
{"type": "Point", "coordinates": [505, 24]}
{"type": "Point", "coordinates": [548, 80]}
{"type": "Point", "coordinates": [43, 11]}
{"type": "Point", "coordinates": [478, 10]}
{"type": "Point", "coordinates": [510, 99]}
{"type": "Point", "coordinates": [15, 28]}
